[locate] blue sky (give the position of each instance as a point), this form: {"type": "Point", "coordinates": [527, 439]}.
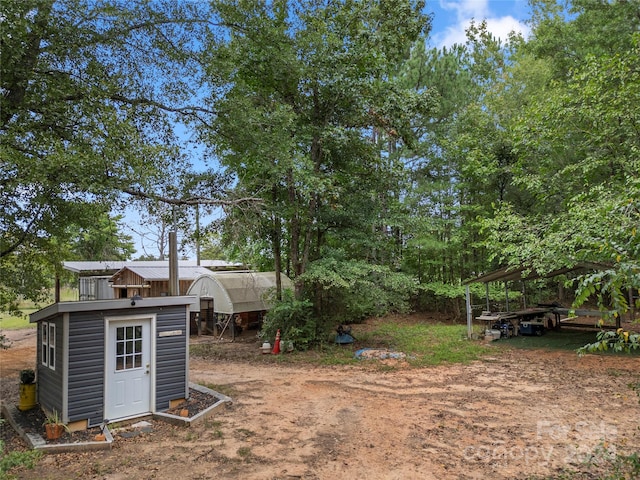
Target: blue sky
{"type": "Point", "coordinates": [451, 17]}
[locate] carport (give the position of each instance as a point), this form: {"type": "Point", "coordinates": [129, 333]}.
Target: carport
{"type": "Point", "coordinates": [230, 299]}
{"type": "Point", "coordinates": [527, 313]}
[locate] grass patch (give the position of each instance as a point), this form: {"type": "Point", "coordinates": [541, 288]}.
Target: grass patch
{"type": "Point", "coordinates": [568, 340]}
{"type": "Point", "coordinates": [424, 344]}
{"type": "Point", "coordinates": [15, 322]}
{"type": "Point", "coordinates": [430, 344]}
{"type": "Point", "coordinates": [12, 322]}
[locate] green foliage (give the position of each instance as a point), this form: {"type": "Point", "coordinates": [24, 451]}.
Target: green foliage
{"type": "Point", "coordinates": [576, 144]}
{"type": "Point", "coordinates": [299, 93]}
{"type": "Point", "coordinates": [296, 322]}
{"type": "Point", "coordinates": [348, 291]}
{"type": "Point", "coordinates": [366, 159]}
{"type": "Point", "coordinates": [441, 296]}
{"type": "Point", "coordinates": [619, 245]}
{"type": "Point", "coordinates": [80, 124]}
{"type": "Point", "coordinates": [615, 341]}
{"type": "Point", "coordinates": [604, 463]}
{"type": "Point", "coordinates": [463, 163]}
{"type": "Point", "coordinates": [28, 271]}
{"type": "Point", "coordinates": [54, 418]}
{"type": "Point", "coordinates": [102, 240]}
{"type": "Point", "coordinates": [9, 460]}
{"type": "Point", "coordinates": [625, 466]}
{"type": "Point", "coordinates": [211, 248]}
{"type": "Point", "coordinates": [443, 290]}
{"type": "Point", "coordinates": [24, 273]}
{"type": "Point", "coordinates": [20, 319]}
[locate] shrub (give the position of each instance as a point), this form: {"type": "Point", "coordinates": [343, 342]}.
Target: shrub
{"type": "Point", "coordinates": [348, 291]}
{"type": "Point", "coordinates": [294, 319]}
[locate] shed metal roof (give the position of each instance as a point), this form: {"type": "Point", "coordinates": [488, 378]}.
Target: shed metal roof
{"type": "Point", "coordinates": [105, 305]}
{"type": "Point", "coordinates": [115, 265]}
{"type": "Point", "coordinates": [237, 292]}
{"type": "Point", "coordinates": [160, 273]}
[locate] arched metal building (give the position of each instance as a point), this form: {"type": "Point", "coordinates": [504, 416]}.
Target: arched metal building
{"type": "Point", "coordinates": [245, 296]}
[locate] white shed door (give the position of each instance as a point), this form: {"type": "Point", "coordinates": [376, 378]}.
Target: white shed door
{"type": "Point", "coordinates": [128, 369]}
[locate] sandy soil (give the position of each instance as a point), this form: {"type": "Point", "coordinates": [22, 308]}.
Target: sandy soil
{"type": "Point", "coordinates": [515, 414]}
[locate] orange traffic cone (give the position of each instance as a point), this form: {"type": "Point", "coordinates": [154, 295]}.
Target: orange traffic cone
{"type": "Point", "coordinates": [276, 347]}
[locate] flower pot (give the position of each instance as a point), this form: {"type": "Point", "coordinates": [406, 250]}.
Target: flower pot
{"type": "Point", "coordinates": [27, 396]}
{"type": "Point", "coordinates": [53, 431]}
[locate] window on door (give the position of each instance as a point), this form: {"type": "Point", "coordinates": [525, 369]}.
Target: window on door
{"type": "Point", "coordinates": [129, 347]}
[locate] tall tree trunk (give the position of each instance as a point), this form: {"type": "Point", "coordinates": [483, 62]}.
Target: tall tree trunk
{"type": "Point", "coordinates": [294, 234]}
{"type": "Point", "coordinates": [277, 254]}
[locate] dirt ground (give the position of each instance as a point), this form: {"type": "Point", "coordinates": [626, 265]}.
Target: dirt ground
{"type": "Point", "coordinates": [513, 414]}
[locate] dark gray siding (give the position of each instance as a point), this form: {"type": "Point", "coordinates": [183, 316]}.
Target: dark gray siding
{"type": "Point", "coordinates": [86, 356]}
{"type": "Point", "coordinates": [86, 367]}
{"type": "Point", "coordinates": [50, 386]}
{"type": "Point", "coordinates": [171, 355]}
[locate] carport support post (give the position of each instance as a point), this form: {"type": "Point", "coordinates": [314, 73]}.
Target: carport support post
{"type": "Point", "coordinates": [469, 320]}
{"type": "Point", "coordinates": [486, 287]}
{"type": "Point", "coordinates": [506, 294]}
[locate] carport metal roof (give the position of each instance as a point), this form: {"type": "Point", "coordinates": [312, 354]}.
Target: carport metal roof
{"type": "Point", "coordinates": [527, 273]}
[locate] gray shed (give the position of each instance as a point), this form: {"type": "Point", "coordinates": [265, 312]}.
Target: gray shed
{"type": "Point", "coordinates": [112, 359]}
{"type": "Point", "coordinates": [223, 295]}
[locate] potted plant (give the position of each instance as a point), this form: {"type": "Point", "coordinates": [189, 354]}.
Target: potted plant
{"type": "Point", "coordinates": [27, 389]}
{"type": "Point", "coordinates": [27, 376]}
{"type": "Point", "coordinates": [54, 426]}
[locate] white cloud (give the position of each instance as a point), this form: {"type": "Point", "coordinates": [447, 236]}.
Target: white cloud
{"type": "Point", "coordinates": [475, 10]}
{"type": "Point", "coordinates": [501, 27]}
{"type": "Point", "coordinates": [467, 8]}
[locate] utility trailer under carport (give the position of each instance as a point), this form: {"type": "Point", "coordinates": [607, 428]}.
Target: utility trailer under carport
{"type": "Point", "coordinates": [229, 297]}
{"type": "Point", "coordinates": [508, 274]}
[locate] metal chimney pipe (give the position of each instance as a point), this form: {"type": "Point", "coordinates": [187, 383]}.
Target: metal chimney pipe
{"type": "Point", "coordinates": [174, 284]}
